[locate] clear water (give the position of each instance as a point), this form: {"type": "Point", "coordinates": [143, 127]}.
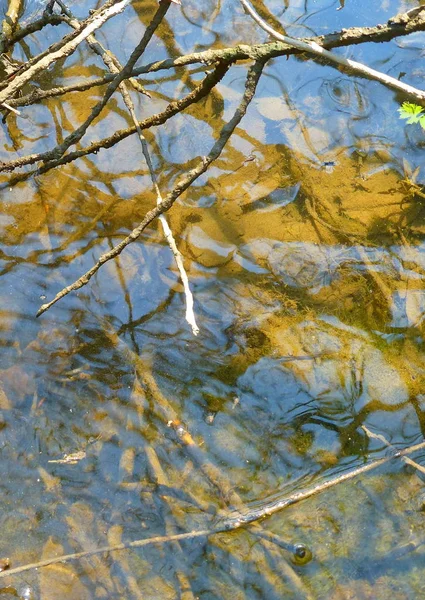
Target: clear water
{"type": "Point", "coordinates": [305, 249]}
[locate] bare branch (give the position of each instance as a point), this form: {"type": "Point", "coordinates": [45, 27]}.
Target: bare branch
{"type": "Point", "coordinates": [10, 22]}
{"type": "Point", "coordinates": [91, 25]}
{"type": "Point", "coordinates": [396, 27]}
{"type": "Point", "coordinates": [32, 27]}
{"type": "Point", "coordinates": [114, 66]}
{"type": "Point", "coordinates": [315, 49]}
{"type": "Point", "coordinates": [172, 109]}
{"type": "Point", "coordinates": [253, 77]}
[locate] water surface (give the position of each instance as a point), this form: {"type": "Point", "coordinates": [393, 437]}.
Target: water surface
{"type": "Point", "coordinates": [305, 250]}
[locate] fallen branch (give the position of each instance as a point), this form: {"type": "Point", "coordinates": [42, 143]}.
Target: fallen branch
{"type": "Point", "coordinates": [68, 48]}
{"type": "Point", "coordinates": [317, 50]}
{"type": "Point", "coordinates": [228, 523]}
{"type": "Point", "coordinates": [397, 26]}
{"type": "Point", "coordinates": [32, 27]}
{"type": "Point", "coordinates": [110, 60]}
{"type": "Point", "coordinates": [114, 66]}
{"type": "Point", "coordinates": [10, 22]}
{"type": "Point", "coordinates": [172, 109]}
{"type": "Point", "coordinates": [253, 77]}
{"type": "Point", "coordinates": [190, 315]}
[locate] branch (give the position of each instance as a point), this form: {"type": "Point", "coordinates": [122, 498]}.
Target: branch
{"type": "Point", "coordinates": [68, 48]}
{"type": "Point", "coordinates": [10, 22]}
{"type": "Point", "coordinates": [228, 523]}
{"type": "Point", "coordinates": [405, 459]}
{"type": "Point", "coordinates": [76, 135]}
{"type": "Point", "coordinates": [253, 77]}
{"type": "Point", "coordinates": [114, 66]}
{"type": "Point", "coordinates": [110, 60]}
{"type": "Point", "coordinates": [173, 108]}
{"type": "Point", "coordinates": [32, 27]}
{"type": "Point", "coordinates": [314, 48]}
{"type": "Point", "coordinates": [397, 26]}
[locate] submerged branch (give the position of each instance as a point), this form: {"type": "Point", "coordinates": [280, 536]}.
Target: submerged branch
{"type": "Point", "coordinates": [227, 523]}
{"type": "Point", "coordinates": [405, 459]}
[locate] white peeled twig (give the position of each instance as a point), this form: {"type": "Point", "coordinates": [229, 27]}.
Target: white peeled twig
{"type": "Point", "coordinates": [190, 315]}
{"type": "Point", "coordinates": [17, 112]}
{"type": "Point", "coordinates": [314, 48]}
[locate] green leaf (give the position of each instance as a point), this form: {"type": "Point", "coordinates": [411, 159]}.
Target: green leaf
{"type": "Point", "coordinates": [412, 112]}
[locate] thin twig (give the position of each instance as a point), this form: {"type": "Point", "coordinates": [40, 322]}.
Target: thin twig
{"type": "Point", "coordinates": [110, 60]}
{"type": "Point", "coordinates": [395, 27]}
{"type": "Point", "coordinates": [92, 24]}
{"type": "Point", "coordinates": [172, 109]}
{"type": "Point", "coordinates": [190, 315]}
{"type": "Point", "coordinates": [16, 112]}
{"type": "Point", "coordinates": [114, 66]}
{"type": "Point", "coordinates": [314, 48]}
{"type": "Point", "coordinates": [230, 55]}
{"type": "Point", "coordinates": [76, 135]}
{"type": "Point", "coordinates": [405, 459]}
{"type": "Point", "coordinates": [253, 77]}
{"type": "Point", "coordinates": [227, 524]}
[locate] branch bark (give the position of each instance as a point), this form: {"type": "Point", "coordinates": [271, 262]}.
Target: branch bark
{"type": "Point", "coordinates": [68, 48]}
{"type": "Point", "coordinates": [397, 26]}
{"type": "Point", "coordinates": [317, 50]}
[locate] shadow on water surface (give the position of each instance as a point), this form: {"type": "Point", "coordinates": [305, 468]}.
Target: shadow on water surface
{"type": "Point", "coordinates": [304, 246]}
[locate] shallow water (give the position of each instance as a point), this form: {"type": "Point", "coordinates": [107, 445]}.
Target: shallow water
{"type": "Point", "coordinates": [305, 249]}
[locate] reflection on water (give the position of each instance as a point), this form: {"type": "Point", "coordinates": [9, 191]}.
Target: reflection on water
{"type": "Point", "coordinates": [116, 424]}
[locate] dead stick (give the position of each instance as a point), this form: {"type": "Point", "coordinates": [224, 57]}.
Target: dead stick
{"type": "Point", "coordinates": [172, 109]}
{"type": "Point", "coordinates": [32, 27]}
{"type": "Point", "coordinates": [68, 48]}
{"type": "Point", "coordinates": [230, 524]}
{"type": "Point", "coordinates": [316, 50]}
{"type": "Point", "coordinates": [164, 409]}
{"type": "Point", "coordinates": [76, 135]}
{"type": "Point", "coordinates": [177, 556]}
{"type": "Point", "coordinates": [278, 505]}
{"type": "Point", "coordinates": [396, 27]}
{"type": "Point", "coordinates": [10, 22]}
